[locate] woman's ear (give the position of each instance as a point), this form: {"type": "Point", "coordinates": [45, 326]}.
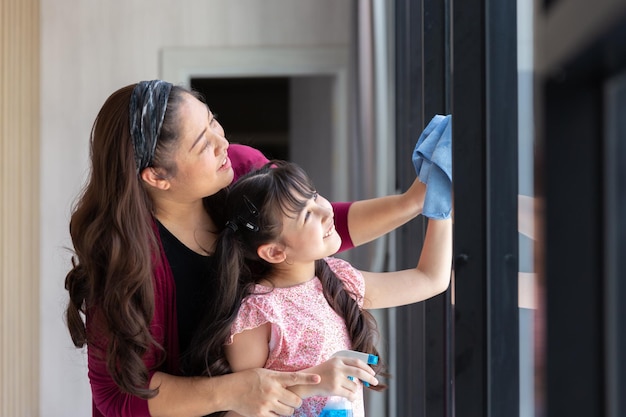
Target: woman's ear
{"type": "Point", "coordinates": [272, 253]}
{"type": "Point", "coordinates": [152, 178]}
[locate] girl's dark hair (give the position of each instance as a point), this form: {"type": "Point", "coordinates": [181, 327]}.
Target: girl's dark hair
{"type": "Point", "coordinates": [115, 245]}
{"type": "Point", "coordinates": [254, 206]}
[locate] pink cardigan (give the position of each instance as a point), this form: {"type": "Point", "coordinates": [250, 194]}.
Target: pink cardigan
{"type": "Point", "coordinates": [108, 399]}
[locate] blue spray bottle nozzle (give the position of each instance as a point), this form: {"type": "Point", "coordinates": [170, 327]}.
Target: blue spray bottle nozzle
{"type": "Point", "coordinates": [365, 357]}
{"type": "Point", "coordinates": [372, 359]}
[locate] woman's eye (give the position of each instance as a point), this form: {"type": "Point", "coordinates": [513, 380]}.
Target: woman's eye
{"type": "Point", "coordinates": [307, 215]}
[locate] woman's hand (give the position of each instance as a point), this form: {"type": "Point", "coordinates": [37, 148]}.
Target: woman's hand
{"type": "Point", "coordinates": [251, 393]}
{"type": "Point", "coordinates": [335, 374]}
{"type": "Point", "coordinates": [264, 393]}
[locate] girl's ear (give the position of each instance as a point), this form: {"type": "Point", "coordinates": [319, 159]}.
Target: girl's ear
{"type": "Point", "coordinates": [152, 178]}
{"type": "Point", "coordinates": [272, 253]}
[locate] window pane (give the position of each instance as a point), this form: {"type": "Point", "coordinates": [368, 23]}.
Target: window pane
{"type": "Point", "coordinates": [530, 299]}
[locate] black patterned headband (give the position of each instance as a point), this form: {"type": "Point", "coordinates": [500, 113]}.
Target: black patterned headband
{"type": "Point", "coordinates": [148, 103]}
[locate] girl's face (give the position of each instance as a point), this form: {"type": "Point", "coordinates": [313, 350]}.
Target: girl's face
{"type": "Point", "coordinates": [310, 234]}
{"type": "Point", "coordinates": [203, 166]}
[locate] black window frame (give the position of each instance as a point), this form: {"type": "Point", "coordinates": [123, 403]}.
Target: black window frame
{"type": "Point", "coordinates": [463, 354]}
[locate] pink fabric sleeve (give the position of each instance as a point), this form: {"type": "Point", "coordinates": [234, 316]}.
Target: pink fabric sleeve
{"type": "Point", "coordinates": [253, 312]}
{"type": "Point", "coordinates": [244, 159]}
{"type": "Point", "coordinates": [341, 224]}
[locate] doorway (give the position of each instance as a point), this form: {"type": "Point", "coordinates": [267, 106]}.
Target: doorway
{"type": "Point", "coordinates": [253, 111]}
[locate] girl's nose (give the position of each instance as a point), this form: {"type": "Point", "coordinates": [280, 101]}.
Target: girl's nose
{"type": "Point", "coordinates": [326, 212]}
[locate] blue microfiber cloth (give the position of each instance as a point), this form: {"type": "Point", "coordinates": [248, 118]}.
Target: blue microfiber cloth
{"type": "Point", "coordinates": [432, 159]}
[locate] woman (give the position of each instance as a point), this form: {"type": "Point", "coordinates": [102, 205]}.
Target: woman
{"type": "Point", "coordinates": [143, 236]}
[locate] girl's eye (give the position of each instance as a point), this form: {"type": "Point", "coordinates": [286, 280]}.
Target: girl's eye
{"type": "Point", "coordinates": [306, 216]}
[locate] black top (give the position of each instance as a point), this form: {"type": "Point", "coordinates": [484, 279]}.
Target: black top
{"type": "Point", "coordinates": [192, 273]}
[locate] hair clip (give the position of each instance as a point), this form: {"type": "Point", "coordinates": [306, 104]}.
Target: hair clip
{"type": "Point", "coordinates": [232, 225]}
{"type": "Point", "coordinates": [251, 207]}
{"type": "Point", "coordinates": [248, 224]}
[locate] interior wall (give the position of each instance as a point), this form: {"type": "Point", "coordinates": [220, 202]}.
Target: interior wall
{"type": "Point", "coordinates": [19, 207]}
{"type": "Point", "coordinates": [88, 50]}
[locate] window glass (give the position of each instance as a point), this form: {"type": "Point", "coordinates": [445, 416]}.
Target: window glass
{"type": "Point", "coordinates": [530, 298]}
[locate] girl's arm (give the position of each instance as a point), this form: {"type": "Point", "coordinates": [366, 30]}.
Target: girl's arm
{"type": "Point", "coordinates": [430, 277]}
{"type": "Point", "coordinates": [250, 349]}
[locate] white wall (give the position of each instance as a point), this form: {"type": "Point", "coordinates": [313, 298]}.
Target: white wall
{"type": "Point", "coordinates": [89, 49]}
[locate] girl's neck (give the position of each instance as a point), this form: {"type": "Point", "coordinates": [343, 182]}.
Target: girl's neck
{"type": "Point", "coordinates": [288, 275]}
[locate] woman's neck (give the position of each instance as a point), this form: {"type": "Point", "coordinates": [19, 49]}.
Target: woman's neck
{"type": "Point", "coordinates": [192, 225]}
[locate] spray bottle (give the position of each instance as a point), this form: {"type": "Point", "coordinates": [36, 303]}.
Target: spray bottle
{"type": "Point", "coordinates": [339, 406]}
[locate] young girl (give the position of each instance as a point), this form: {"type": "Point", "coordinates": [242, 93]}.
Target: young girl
{"type": "Point", "coordinates": [294, 305]}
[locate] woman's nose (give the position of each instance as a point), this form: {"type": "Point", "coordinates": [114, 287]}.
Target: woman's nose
{"type": "Point", "coordinates": [222, 145]}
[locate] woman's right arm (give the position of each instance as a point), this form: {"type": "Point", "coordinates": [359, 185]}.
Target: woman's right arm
{"type": "Point", "coordinates": [372, 218]}
{"type": "Point", "coordinates": [254, 392]}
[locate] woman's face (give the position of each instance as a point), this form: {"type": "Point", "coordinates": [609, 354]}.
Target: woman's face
{"type": "Point", "coordinates": [203, 166]}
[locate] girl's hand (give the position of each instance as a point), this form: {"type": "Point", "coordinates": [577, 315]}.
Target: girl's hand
{"type": "Point", "coordinates": [335, 374]}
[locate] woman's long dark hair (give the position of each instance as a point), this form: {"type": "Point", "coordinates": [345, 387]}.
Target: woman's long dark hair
{"type": "Point", "coordinates": [254, 206]}
{"type": "Point", "coordinates": [115, 245]}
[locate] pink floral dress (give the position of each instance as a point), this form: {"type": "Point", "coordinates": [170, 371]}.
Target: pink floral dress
{"type": "Point", "coordinates": [306, 331]}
